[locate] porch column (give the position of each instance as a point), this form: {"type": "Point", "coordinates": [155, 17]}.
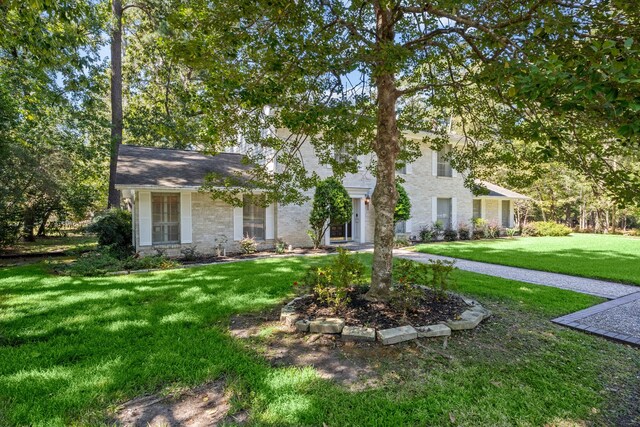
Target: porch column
{"type": "Point", "coordinates": [361, 214]}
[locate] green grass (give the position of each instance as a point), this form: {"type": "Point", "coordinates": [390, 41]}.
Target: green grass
{"type": "Point", "coordinates": [44, 245]}
{"type": "Point", "coordinates": [600, 256]}
{"type": "Point", "coordinates": [71, 349]}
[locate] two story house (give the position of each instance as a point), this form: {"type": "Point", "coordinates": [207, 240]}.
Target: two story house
{"type": "Point", "coordinates": [162, 187]}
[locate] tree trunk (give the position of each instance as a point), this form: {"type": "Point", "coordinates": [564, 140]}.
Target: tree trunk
{"type": "Point", "coordinates": [42, 230]}
{"type": "Point", "coordinates": [29, 223]}
{"type": "Point", "coordinates": [116, 99]}
{"type": "Point", "coordinates": [386, 146]}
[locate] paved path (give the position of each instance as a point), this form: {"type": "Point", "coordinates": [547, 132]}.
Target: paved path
{"type": "Point", "coordinates": [617, 319]}
{"type": "Point", "coordinates": [599, 288]}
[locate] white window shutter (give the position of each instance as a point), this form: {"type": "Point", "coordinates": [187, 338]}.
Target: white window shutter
{"type": "Point", "coordinates": [434, 209]}
{"type": "Point", "coordinates": [408, 168]}
{"type": "Point", "coordinates": [454, 173]}
{"type": "Point", "coordinates": [238, 225]}
{"type": "Point", "coordinates": [144, 209]}
{"type": "Point", "coordinates": [454, 213]}
{"type": "Point", "coordinates": [434, 163]}
{"type": "Point", "coordinates": [407, 226]}
{"type": "Point", "coordinates": [269, 232]}
{"type": "Point", "coordinates": [186, 229]}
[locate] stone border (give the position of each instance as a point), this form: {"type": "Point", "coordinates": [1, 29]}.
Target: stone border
{"type": "Point", "coordinates": [469, 319]}
{"type": "Point", "coordinates": [573, 320]}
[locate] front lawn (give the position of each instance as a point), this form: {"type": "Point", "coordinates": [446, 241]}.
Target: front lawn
{"type": "Point", "coordinates": [601, 256]}
{"type": "Point", "coordinates": [72, 349]}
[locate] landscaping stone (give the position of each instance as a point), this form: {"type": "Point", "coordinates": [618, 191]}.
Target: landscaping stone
{"type": "Point", "coordinates": [468, 320]}
{"type": "Point", "coordinates": [289, 319]}
{"type": "Point", "coordinates": [329, 325]}
{"type": "Point", "coordinates": [357, 333]}
{"type": "Point", "coordinates": [480, 309]}
{"type": "Point", "coordinates": [429, 331]}
{"type": "Point", "coordinates": [302, 325]}
{"type": "Point", "coordinates": [396, 335]}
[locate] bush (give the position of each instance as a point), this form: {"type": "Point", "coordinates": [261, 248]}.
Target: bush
{"type": "Point", "coordinates": [548, 228]}
{"type": "Point", "coordinates": [113, 228]}
{"type": "Point", "coordinates": [463, 232]}
{"type": "Point", "coordinates": [281, 246]}
{"type": "Point", "coordinates": [330, 284]}
{"type": "Point", "coordinates": [401, 242]}
{"type": "Point", "coordinates": [438, 229]}
{"type": "Point", "coordinates": [405, 297]}
{"type": "Point", "coordinates": [190, 253]}
{"type": "Point", "coordinates": [450, 235]}
{"type": "Point", "coordinates": [511, 232]}
{"type": "Point", "coordinates": [426, 234]}
{"type": "Point", "coordinates": [331, 204]}
{"type": "Point", "coordinates": [435, 275]}
{"type": "Point", "coordinates": [491, 230]}
{"type": "Point", "coordinates": [248, 245]}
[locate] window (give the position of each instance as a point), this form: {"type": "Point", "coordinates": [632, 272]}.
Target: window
{"type": "Point", "coordinates": [165, 209]}
{"type": "Point", "coordinates": [506, 213]}
{"type": "Point", "coordinates": [444, 165]}
{"type": "Point", "coordinates": [253, 219]}
{"type": "Point", "coordinates": [403, 169]}
{"type": "Point", "coordinates": [477, 208]}
{"type": "Point", "coordinates": [401, 227]}
{"type": "Point", "coordinates": [444, 212]}
{"type": "Point", "coordinates": [342, 155]}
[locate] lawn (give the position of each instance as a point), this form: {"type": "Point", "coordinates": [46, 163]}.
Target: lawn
{"type": "Point", "coordinates": [72, 349]}
{"type": "Point", "coordinates": [601, 256]}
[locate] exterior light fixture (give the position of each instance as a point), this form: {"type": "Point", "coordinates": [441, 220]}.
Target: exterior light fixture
{"type": "Point", "coordinates": [367, 199]}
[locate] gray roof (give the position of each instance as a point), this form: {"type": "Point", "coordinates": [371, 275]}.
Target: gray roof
{"type": "Point", "coordinates": [162, 167]}
{"type": "Point", "coordinates": [497, 191]}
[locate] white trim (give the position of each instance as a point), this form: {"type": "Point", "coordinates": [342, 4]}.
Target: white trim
{"type": "Point", "coordinates": [500, 213]}
{"type": "Point", "coordinates": [511, 214]}
{"type": "Point", "coordinates": [269, 232]}
{"type": "Point", "coordinates": [361, 216]}
{"type": "Point", "coordinates": [186, 229]}
{"type": "Point", "coordinates": [434, 163]}
{"type": "Point", "coordinates": [434, 209]}
{"type": "Point", "coordinates": [407, 226]}
{"type": "Point", "coordinates": [144, 217]}
{"type": "Point", "coordinates": [454, 173]}
{"type": "Point", "coordinates": [238, 219]}
{"type": "Point", "coordinates": [454, 213]}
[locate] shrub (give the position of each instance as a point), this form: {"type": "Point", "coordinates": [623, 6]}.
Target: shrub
{"type": "Point", "coordinates": [511, 232]}
{"type": "Point", "coordinates": [281, 246]}
{"type": "Point", "coordinates": [548, 228]}
{"type": "Point", "coordinates": [248, 245]}
{"type": "Point", "coordinates": [405, 297]}
{"type": "Point", "coordinates": [463, 232]}
{"type": "Point", "coordinates": [190, 253]}
{"type": "Point", "coordinates": [331, 204]}
{"type": "Point", "coordinates": [426, 234]}
{"type": "Point", "coordinates": [402, 210]}
{"type": "Point", "coordinates": [113, 228]}
{"type": "Point", "coordinates": [491, 230]}
{"type": "Point", "coordinates": [441, 280]}
{"type": "Point", "coordinates": [401, 242]}
{"type": "Point", "coordinates": [438, 229]}
{"type": "Point", "coordinates": [330, 284]}
{"type": "Point", "coordinates": [450, 235]}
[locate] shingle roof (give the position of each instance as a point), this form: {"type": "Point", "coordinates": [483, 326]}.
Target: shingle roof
{"type": "Point", "coordinates": [497, 191]}
{"type": "Point", "coordinates": [161, 167]}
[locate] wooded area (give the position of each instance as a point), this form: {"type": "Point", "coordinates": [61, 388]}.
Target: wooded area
{"type": "Point", "coordinates": [546, 93]}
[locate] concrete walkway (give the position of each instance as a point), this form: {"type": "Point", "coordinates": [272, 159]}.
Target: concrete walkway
{"type": "Point", "coordinates": [599, 288]}
{"type": "Point", "coordinates": [617, 319]}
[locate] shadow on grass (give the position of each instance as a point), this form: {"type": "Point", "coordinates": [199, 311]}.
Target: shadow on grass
{"type": "Point", "coordinates": [72, 348]}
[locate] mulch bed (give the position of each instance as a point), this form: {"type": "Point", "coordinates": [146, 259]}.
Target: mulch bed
{"type": "Point", "coordinates": [430, 309]}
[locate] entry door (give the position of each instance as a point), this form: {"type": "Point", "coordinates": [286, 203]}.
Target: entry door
{"type": "Point", "coordinates": [356, 219]}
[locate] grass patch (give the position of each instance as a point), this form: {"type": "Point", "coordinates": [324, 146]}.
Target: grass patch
{"type": "Point", "coordinates": [44, 245]}
{"type": "Point", "coordinates": [73, 348]}
{"type": "Point", "coordinates": [609, 257]}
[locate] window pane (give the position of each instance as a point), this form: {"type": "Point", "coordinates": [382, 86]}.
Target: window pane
{"type": "Point", "coordinates": [477, 208]}
{"type": "Point", "coordinates": [506, 213]}
{"type": "Point", "coordinates": [444, 166]}
{"type": "Point", "coordinates": [444, 212]}
{"type": "Point", "coordinates": [253, 219]}
{"type": "Point", "coordinates": [401, 227]}
{"type": "Point", "coordinates": [165, 209]}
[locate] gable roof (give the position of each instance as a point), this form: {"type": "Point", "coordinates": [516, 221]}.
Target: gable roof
{"type": "Point", "coordinates": [497, 191]}
{"type": "Point", "coordinates": [168, 168]}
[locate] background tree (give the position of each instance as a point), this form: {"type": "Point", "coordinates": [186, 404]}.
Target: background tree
{"type": "Point", "coordinates": [331, 205]}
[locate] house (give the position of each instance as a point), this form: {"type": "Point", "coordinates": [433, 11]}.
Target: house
{"type": "Point", "coordinates": [170, 213]}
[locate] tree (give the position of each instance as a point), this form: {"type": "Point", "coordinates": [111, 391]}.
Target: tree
{"type": "Point", "coordinates": [331, 205]}
{"type": "Point", "coordinates": [402, 211]}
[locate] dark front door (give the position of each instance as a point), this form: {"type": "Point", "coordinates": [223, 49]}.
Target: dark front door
{"type": "Point", "coordinates": [339, 232]}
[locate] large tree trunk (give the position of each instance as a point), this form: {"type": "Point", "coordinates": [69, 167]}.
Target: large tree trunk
{"type": "Point", "coordinates": [386, 147]}
{"type": "Point", "coordinates": [29, 223]}
{"type": "Point", "coordinates": [116, 99]}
